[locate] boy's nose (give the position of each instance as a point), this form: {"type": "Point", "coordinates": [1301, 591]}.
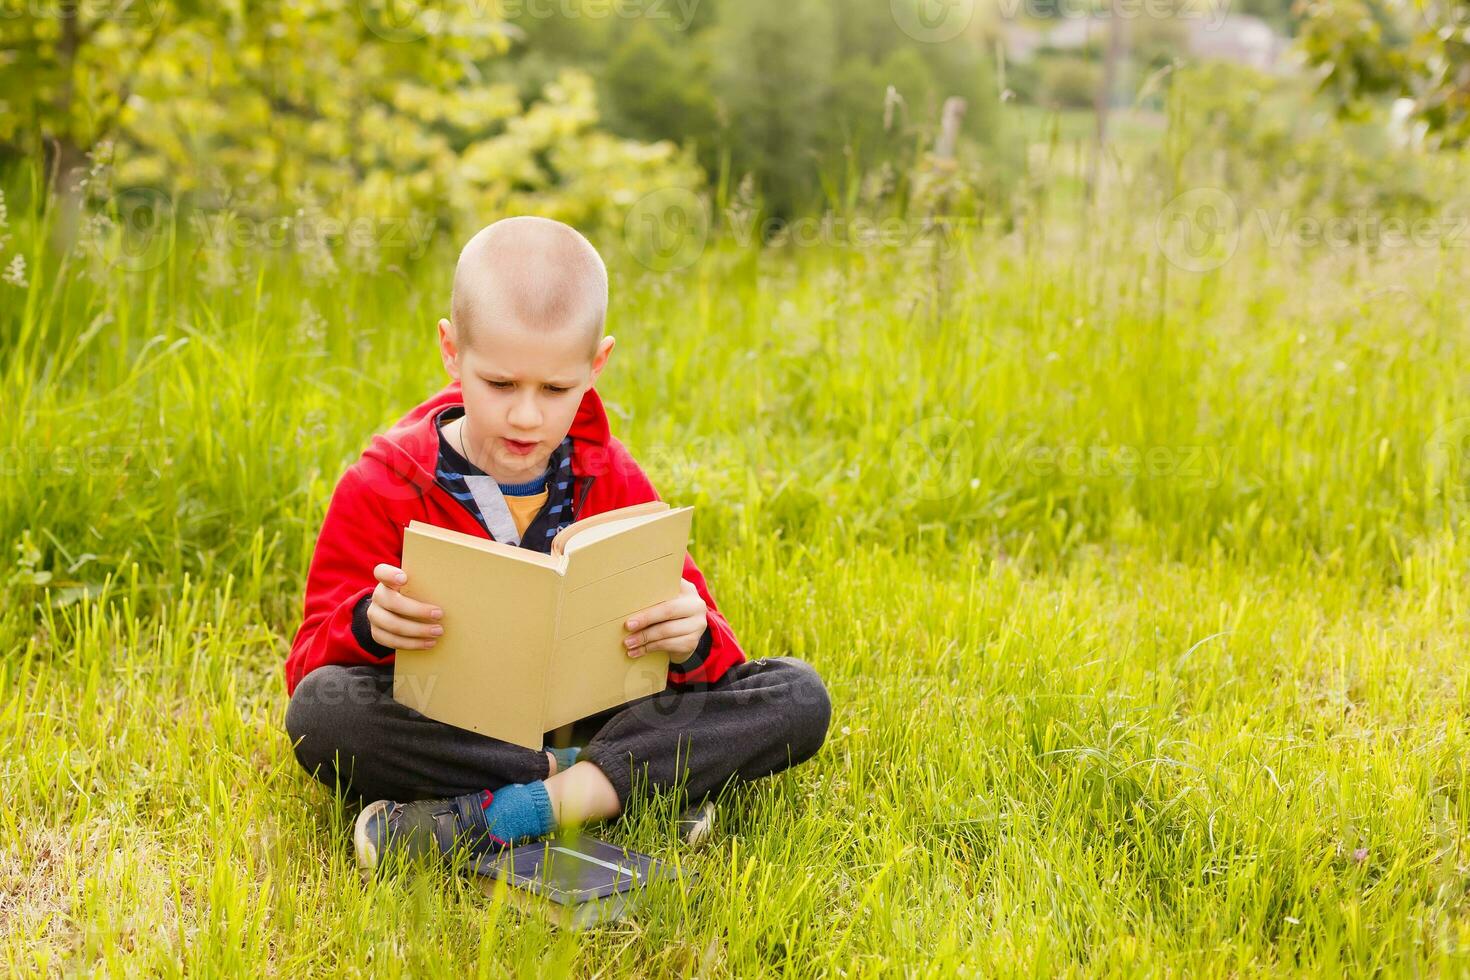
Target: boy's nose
{"type": "Point", "coordinates": [525, 415]}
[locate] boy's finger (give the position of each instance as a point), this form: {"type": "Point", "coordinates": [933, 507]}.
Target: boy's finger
{"type": "Point", "coordinates": [400, 604]}
{"type": "Point", "coordinates": [393, 641]}
{"type": "Point", "coordinates": [390, 622]}
{"type": "Point", "coordinates": [668, 644]}
{"type": "Point", "coordinates": [643, 617]}
{"type": "Point", "coordinates": [657, 613]}
{"type": "Point", "coordinates": [663, 631]}
{"type": "Point", "coordinates": [390, 575]}
{"type": "Point", "coordinates": [403, 642]}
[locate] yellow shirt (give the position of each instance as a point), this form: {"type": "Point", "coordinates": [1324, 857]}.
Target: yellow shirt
{"type": "Point", "coordinates": [523, 510]}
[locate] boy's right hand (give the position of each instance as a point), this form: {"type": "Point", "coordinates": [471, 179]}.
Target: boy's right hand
{"type": "Point", "coordinates": [398, 621]}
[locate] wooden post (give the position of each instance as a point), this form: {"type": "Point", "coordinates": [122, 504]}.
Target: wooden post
{"type": "Point", "coordinates": [1103, 101]}
{"type": "Point", "coordinates": [949, 128]}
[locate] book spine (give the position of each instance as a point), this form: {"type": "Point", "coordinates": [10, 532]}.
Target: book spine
{"type": "Point", "coordinates": [561, 591]}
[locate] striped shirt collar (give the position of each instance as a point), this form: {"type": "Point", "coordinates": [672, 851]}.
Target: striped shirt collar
{"type": "Point", "coordinates": [484, 497]}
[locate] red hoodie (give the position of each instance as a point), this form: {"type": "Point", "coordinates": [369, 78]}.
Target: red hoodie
{"type": "Point", "coordinates": [393, 483]}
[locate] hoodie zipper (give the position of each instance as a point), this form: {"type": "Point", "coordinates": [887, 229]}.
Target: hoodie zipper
{"type": "Point", "coordinates": [586, 489]}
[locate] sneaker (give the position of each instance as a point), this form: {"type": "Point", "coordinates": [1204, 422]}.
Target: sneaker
{"type": "Point", "coordinates": [425, 827]}
{"type": "Point", "coordinates": [697, 824]}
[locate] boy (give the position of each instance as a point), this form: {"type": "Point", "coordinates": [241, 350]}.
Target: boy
{"type": "Point", "coordinates": [515, 448]}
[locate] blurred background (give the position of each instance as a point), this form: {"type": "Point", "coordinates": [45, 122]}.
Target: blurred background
{"type": "Point", "coordinates": [1248, 212]}
{"type": "Point", "coordinates": [447, 114]}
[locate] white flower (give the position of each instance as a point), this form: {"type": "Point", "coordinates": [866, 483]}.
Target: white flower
{"type": "Point", "coordinates": [15, 272]}
{"type": "Point", "coordinates": [312, 326]}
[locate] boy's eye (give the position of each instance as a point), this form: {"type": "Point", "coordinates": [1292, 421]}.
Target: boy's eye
{"type": "Point", "coordinates": [511, 384]}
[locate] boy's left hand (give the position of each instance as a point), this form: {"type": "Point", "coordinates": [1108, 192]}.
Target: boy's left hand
{"type": "Point", "coordinates": [674, 626]}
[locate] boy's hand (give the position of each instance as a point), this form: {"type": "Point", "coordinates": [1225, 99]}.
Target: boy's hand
{"type": "Point", "coordinates": [674, 626]}
{"type": "Point", "coordinates": [398, 621]}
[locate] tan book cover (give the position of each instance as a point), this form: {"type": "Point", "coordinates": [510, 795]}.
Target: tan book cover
{"type": "Point", "coordinates": [535, 641]}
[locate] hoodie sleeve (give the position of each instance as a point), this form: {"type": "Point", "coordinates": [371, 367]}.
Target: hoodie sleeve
{"type": "Point", "coordinates": [718, 649]}
{"type": "Point", "coordinates": [356, 535]}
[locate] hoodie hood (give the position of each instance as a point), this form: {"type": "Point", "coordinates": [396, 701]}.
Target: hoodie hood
{"type": "Point", "coordinates": [410, 449]}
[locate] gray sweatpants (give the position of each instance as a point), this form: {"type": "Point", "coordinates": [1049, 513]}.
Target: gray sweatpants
{"type": "Point", "coordinates": [761, 717]}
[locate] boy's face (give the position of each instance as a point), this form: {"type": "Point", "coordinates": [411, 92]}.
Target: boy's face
{"type": "Point", "coordinates": [521, 390]}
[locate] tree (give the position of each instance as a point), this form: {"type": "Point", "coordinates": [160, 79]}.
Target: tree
{"type": "Point", "coordinates": [657, 88]}
{"type": "Point", "coordinates": [68, 76]}
{"type": "Point", "coordinates": [1367, 50]}
{"type": "Point", "coordinates": [363, 108]}
{"type": "Point", "coordinates": [773, 71]}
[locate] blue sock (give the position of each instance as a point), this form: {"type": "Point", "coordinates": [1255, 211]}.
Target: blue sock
{"type": "Point", "coordinates": [565, 757]}
{"type": "Point", "coordinates": [517, 813]}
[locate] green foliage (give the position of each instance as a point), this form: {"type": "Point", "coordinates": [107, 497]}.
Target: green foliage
{"type": "Point", "coordinates": [1156, 42]}
{"type": "Point", "coordinates": [796, 95]}
{"type": "Point", "coordinates": [774, 68]}
{"type": "Point", "coordinates": [1280, 14]}
{"type": "Point", "coordinates": [444, 109]}
{"type": "Point", "coordinates": [368, 108]}
{"type": "Point", "coordinates": [1070, 83]}
{"type": "Point", "coordinates": [1270, 140]}
{"type": "Point", "coordinates": [1366, 50]}
{"type": "Point", "coordinates": [658, 89]}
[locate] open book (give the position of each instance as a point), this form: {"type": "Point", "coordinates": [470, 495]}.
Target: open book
{"type": "Point", "coordinates": [535, 641]}
{"type": "Point", "coordinates": [576, 881]}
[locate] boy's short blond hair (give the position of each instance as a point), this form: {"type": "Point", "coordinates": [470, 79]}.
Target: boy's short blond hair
{"type": "Point", "coordinates": [533, 274]}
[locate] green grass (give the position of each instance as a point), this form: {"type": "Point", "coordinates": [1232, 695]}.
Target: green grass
{"type": "Point", "coordinates": [1090, 715]}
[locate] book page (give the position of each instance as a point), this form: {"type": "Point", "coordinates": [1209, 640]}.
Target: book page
{"type": "Point", "coordinates": [486, 544]}
{"type": "Point", "coordinates": [606, 530]}
{"type": "Point", "coordinates": [488, 672]}
{"type": "Point", "coordinates": [606, 580]}
{"type": "Point", "coordinates": [565, 535]}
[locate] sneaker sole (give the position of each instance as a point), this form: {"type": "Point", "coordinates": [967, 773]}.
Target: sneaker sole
{"type": "Point", "coordinates": [367, 852]}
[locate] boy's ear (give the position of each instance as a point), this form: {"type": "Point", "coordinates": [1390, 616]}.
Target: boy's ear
{"type": "Point", "coordinates": [599, 360]}
{"type": "Point", "coordinates": [448, 350]}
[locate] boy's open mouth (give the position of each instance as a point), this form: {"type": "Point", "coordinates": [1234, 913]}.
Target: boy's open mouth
{"type": "Point", "coordinates": [518, 447]}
